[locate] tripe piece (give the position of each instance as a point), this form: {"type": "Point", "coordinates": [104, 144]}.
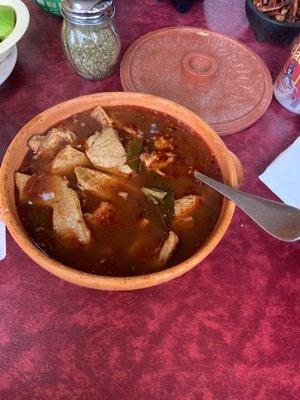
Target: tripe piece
{"type": "Point", "coordinates": [68, 220]}
{"type": "Point", "coordinates": [143, 223]}
{"type": "Point", "coordinates": [67, 159]}
{"type": "Point", "coordinates": [106, 145]}
{"type": "Point", "coordinates": [124, 195]}
{"type": "Point", "coordinates": [184, 223]}
{"type": "Point", "coordinates": [99, 183]}
{"type": "Point", "coordinates": [156, 161]}
{"type": "Point", "coordinates": [100, 115]}
{"type": "Point", "coordinates": [21, 182]}
{"type": "Point", "coordinates": [185, 206]}
{"type": "Point", "coordinates": [91, 140]}
{"type": "Point", "coordinates": [107, 150]}
{"type": "Point", "coordinates": [121, 126]}
{"type": "Point", "coordinates": [162, 143]}
{"type": "Point", "coordinates": [168, 248]}
{"type": "Point", "coordinates": [34, 142]}
{"type": "Point", "coordinates": [183, 210]}
{"type": "Point", "coordinates": [124, 171]}
{"type": "Point", "coordinates": [105, 214]}
{"type": "Point", "coordinates": [48, 145]}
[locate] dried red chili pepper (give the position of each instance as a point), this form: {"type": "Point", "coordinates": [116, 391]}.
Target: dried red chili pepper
{"type": "Point", "coordinates": [282, 10]}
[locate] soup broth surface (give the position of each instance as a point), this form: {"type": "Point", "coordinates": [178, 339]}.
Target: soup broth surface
{"type": "Point", "coordinates": [128, 239]}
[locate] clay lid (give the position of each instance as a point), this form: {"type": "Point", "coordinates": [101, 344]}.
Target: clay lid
{"type": "Point", "coordinates": [220, 79]}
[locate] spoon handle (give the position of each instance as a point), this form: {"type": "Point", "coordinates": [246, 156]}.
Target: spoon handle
{"type": "Point", "coordinates": [278, 219]}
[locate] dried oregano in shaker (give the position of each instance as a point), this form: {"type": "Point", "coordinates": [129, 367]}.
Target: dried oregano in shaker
{"type": "Point", "coordinates": [90, 38]}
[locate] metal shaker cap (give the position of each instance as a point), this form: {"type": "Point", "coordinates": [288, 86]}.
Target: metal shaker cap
{"type": "Point", "coordinates": [87, 12]}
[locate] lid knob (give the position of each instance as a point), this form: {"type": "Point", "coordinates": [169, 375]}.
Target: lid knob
{"type": "Point", "coordinates": [199, 67]}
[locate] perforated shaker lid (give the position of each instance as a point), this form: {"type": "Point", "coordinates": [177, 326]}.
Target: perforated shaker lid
{"type": "Point", "coordinates": [220, 79]}
{"type": "Point", "coordinates": [87, 12]}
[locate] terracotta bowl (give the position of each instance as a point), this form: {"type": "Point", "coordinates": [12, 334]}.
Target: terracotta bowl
{"type": "Point", "coordinates": [230, 167]}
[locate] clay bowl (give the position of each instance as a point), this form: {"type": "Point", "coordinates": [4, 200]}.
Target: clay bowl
{"type": "Point", "coordinates": [230, 167]}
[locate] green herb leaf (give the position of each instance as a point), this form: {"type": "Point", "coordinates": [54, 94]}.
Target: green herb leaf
{"type": "Point", "coordinates": [164, 201]}
{"type": "Point", "coordinates": [154, 194]}
{"type": "Point", "coordinates": [134, 149]}
{"type": "Point", "coordinates": [167, 208]}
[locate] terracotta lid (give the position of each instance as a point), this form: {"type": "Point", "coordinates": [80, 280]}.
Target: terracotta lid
{"type": "Point", "coordinates": [220, 79]}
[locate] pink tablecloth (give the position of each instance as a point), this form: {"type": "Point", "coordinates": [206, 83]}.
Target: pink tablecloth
{"type": "Point", "coordinates": [226, 330]}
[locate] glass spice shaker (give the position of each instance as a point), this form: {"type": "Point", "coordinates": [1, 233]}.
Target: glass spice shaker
{"type": "Point", "coordinates": [89, 37]}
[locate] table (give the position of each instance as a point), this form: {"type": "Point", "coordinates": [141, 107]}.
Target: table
{"type": "Point", "coordinates": [225, 330]}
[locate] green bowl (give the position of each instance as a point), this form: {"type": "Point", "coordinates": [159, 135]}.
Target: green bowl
{"type": "Point", "coordinates": [51, 6]}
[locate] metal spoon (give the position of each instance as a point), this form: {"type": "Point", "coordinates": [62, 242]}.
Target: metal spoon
{"type": "Point", "coordinates": [278, 219]}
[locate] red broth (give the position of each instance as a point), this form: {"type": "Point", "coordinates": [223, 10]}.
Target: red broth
{"type": "Point", "coordinates": [122, 246]}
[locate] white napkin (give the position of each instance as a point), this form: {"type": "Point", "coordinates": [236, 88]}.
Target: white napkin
{"type": "Point", "coordinates": [2, 241]}
{"type": "Point", "coordinates": [283, 175]}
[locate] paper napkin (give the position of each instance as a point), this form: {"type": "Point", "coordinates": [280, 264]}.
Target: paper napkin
{"type": "Point", "coordinates": [2, 241]}
{"type": "Point", "coordinates": [283, 175]}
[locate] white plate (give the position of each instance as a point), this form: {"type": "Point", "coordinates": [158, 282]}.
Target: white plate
{"type": "Point", "coordinates": [22, 21]}
{"type": "Point", "coordinates": [7, 66]}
